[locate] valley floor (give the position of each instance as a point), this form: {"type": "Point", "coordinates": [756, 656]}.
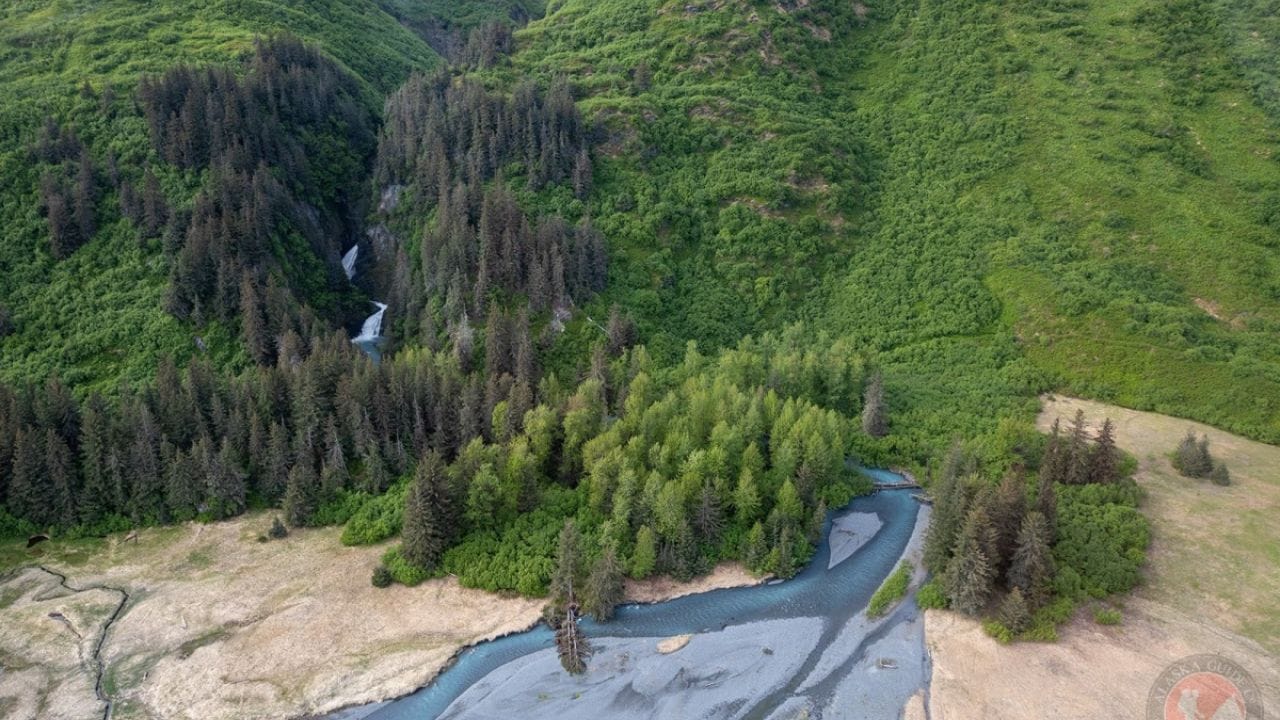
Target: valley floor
{"type": "Point", "coordinates": [219, 625]}
{"type": "Point", "coordinates": [1211, 585]}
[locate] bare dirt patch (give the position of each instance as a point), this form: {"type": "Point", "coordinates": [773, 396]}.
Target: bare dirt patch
{"type": "Point", "coordinates": [1091, 672]}
{"type": "Point", "coordinates": [657, 589]}
{"type": "Point", "coordinates": [220, 625]}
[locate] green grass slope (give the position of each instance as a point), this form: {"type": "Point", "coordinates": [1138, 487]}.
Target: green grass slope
{"type": "Point", "coordinates": [991, 198]}
{"type": "Point", "coordinates": [996, 198]}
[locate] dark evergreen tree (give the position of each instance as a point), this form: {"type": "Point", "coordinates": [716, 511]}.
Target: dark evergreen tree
{"type": "Point", "coordinates": [1103, 461]}
{"type": "Point", "coordinates": [621, 331]}
{"type": "Point", "coordinates": [1014, 613]}
{"type": "Point", "coordinates": [146, 489]}
{"type": "Point", "coordinates": [252, 324]}
{"type": "Point", "coordinates": [569, 565]}
{"type": "Point", "coordinates": [1053, 466]}
{"type": "Point", "coordinates": [708, 518]}
{"type": "Point", "coordinates": [85, 199]}
{"type": "Point", "coordinates": [279, 459]}
{"type": "Point", "coordinates": [1220, 475]}
{"type": "Point", "coordinates": [30, 494]}
{"type": "Point", "coordinates": [96, 499]}
{"type": "Point", "coordinates": [60, 475]}
{"type": "Point", "coordinates": [604, 588]}
{"type": "Point", "coordinates": [155, 209]}
{"type": "Point", "coordinates": [1047, 505]}
{"type": "Point", "coordinates": [226, 481]}
{"type": "Point", "coordinates": [1032, 570]}
{"type": "Point", "coordinates": [184, 486]}
{"type": "Point", "coordinates": [1077, 456]}
{"type": "Point", "coordinates": [582, 175]}
{"type": "Point", "coordinates": [301, 495]}
{"type": "Point", "coordinates": [756, 554]}
{"type": "Point", "coordinates": [970, 576]}
{"type": "Point", "coordinates": [950, 507]}
{"type": "Point", "coordinates": [1006, 512]}
{"type": "Point", "coordinates": [428, 514]}
{"type": "Point", "coordinates": [1192, 457]}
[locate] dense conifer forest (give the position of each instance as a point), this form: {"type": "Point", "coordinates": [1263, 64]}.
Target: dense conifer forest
{"type": "Point", "coordinates": [660, 276]}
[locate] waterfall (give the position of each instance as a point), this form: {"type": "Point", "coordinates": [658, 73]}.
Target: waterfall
{"type": "Point", "coordinates": [372, 328]}
{"type": "Point", "coordinates": [349, 261]}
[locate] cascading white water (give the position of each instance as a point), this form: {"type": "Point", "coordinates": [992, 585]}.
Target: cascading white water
{"type": "Point", "coordinates": [372, 328]}
{"type": "Point", "coordinates": [349, 262]}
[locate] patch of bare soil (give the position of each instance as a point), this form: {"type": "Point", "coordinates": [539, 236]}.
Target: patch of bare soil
{"type": "Point", "coordinates": [219, 625]}
{"type": "Point", "coordinates": [657, 589]}
{"type": "Point", "coordinates": [47, 639]}
{"type": "Point", "coordinates": [1091, 672]}
{"type": "Point", "coordinates": [222, 626]}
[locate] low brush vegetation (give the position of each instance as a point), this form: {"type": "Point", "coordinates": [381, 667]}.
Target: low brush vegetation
{"type": "Point", "coordinates": [889, 593]}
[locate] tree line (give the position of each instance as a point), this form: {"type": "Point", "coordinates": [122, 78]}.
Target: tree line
{"type": "Point", "coordinates": [196, 443]}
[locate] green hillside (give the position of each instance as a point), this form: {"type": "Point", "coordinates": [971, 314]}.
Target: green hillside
{"type": "Point", "coordinates": [965, 187]}
{"type": "Point", "coordinates": [97, 317]}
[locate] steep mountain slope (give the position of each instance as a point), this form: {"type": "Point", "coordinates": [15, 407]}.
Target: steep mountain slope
{"type": "Point", "coordinates": [98, 315]}
{"type": "Point", "coordinates": [1087, 185]}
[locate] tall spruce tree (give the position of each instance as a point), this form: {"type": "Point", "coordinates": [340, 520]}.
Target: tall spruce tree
{"type": "Point", "coordinates": [1047, 505]}
{"type": "Point", "coordinates": [1077, 460]}
{"type": "Point", "coordinates": [301, 493]}
{"type": "Point", "coordinates": [61, 478]}
{"type": "Point", "coordinates": [1053, 464]}
{"type": "Point", "coordinates": [1008, 508]}
{"type": "Point", "coordinates": [604, 588]}
{"type": "Point", "coordinates": [1032, 569]}
{"type": "Point", "coordinates": [569, 565]}
{"type": "Point", "coordinates": [1103, 460]}
{"type": "Point", "coordinates": [428, 514]}
{"type": "Point", "coordinates": [950, 506]}
{"type": "Point", "coordinates": [970, 576]}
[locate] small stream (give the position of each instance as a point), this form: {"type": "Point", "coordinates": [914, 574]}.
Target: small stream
{"type": "Point", "coordinates": [99, 668]}
{"type": "Point", "coordinates": [829, 599]}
